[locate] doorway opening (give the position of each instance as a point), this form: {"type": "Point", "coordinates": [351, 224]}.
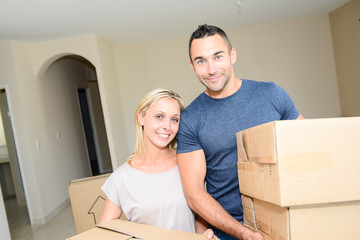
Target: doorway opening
{"type": "Point", "coordinates": [93, 124]}
{"type": "Point", "coordinates": [10, 175]}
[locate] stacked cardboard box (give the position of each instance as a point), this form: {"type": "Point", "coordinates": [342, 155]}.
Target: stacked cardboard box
{"type": "Point", "coordinates": [301, 179]}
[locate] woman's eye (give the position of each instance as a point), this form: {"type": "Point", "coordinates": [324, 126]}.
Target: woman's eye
{"type": "Point", "coordinates": [159, 116]}
{"type": "Point", "coordinates": [176, 120]}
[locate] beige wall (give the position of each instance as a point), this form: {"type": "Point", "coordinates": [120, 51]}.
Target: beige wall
{"type": "Point", "coordinates": [112, 103]}
{"type": "Point", "coordinates": [297, 54]}
{"type": "Point", "coordinates": [143, 67]}
{"type": "Point", "coordinates": [345, 26]}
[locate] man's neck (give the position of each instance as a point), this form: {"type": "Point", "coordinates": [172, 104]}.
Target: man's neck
{"type": "Point", "coordinates": [231, 88]}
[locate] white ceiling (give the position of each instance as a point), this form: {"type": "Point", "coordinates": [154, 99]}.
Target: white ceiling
{"type": "Point", "coordinates": [142, 20]}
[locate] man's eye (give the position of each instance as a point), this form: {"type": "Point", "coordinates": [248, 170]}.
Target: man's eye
{"type": "Point", "coordinates": [200, 61]}
{"type": "Point", "coordinates": [218, 57]}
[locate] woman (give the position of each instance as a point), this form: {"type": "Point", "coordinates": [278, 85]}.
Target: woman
{"type": "Point", "coordinates": [147, 188]}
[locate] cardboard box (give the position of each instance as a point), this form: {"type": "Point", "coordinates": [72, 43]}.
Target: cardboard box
{"type": "Point", "coordinates": [294, 163]}
{"type": "Point", "coordinates": [121, 230]}
{"type": "Point", "coordinates": [87, 201]}
{"type": "Point", "coordinates": [313, 222]}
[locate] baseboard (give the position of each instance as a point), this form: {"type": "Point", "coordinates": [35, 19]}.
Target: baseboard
{"type": "Point", "coordinates": [52, 214]}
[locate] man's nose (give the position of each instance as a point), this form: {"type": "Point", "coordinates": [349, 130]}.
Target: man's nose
{"type": "Point", "coordinates": [211, 68]}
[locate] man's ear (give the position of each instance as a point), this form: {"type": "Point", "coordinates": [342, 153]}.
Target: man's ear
{"type": "Point", "coordinates": [233, 56]}
{"type": "Point", "coordinates": [191, 63]}
{"type": "Point", "coordinates": [140, 118]}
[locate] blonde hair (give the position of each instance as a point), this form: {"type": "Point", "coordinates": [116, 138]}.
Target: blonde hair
{"type": "Point", "coordinates": [147, 102]}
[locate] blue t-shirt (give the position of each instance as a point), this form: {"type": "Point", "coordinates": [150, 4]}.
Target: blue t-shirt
{"type": "Point", "coordinates": [211, 124]}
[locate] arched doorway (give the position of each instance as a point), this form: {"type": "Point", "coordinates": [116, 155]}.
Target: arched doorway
{"type": "Point", "coordinates": [92, 118]}
{"type": "Point", "coordinates": [61, 139]}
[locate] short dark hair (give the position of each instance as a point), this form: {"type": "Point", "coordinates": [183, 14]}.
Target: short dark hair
{"type": "Point", "coordinates": [208, 30]}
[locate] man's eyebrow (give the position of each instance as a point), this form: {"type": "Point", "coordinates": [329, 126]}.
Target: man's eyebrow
{"type": "Point", "coordinates": [197, 58]}
{"type": "Point", "coordinates": [201, 57]}
{"type": "Point", "coordinates": [218, 52]}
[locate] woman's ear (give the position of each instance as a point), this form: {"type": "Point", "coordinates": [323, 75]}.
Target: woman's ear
{"type": "Point", "coordinates": [140, 118]}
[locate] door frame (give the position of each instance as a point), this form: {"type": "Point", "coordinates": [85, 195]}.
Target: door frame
{"type": "Point", "coordinates": [21, 200]}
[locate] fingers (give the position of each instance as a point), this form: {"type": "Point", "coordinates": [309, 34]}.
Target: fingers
{"type": "Point", "coordinates": [209, 233]}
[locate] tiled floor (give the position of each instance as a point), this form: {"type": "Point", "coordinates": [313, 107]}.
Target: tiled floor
{"type": "Point", "coordinates": [59, 228]}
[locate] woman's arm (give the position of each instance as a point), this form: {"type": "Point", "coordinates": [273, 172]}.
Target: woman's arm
{"type": "Point", "coordinates": [111, 211]}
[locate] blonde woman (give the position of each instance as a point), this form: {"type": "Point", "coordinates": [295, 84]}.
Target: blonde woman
{"type": "Point", "coordinates": [147, 188]}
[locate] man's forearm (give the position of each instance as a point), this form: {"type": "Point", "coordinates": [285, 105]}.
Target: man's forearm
{"type": "Point", "coordinates": [209, 209]}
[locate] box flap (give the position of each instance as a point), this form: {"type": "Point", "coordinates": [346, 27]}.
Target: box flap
{"type": "Point", "coordinates": [87, 201]}
{"type": "Point", "coordinates": [259, 181]}
{"type": "Point", "coordinates": [147, 232]}
{"type": "Point", "coordinates": [94, 178]}
{"type": "Point", "coordinates": [264, 151]}
{"type": "Point", "coordinates": [249, 212]}
{"type": "Point", "coordinates": [271, 219]}
{"type": "Point", "coordinates": [268, 219]}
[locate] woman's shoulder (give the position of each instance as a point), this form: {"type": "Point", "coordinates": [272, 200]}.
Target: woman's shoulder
{"type": "Point", "coordinates": [121, 170]}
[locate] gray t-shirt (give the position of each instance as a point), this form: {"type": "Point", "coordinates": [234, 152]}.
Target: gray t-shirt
{"type": "Point", "coordinates": [151, 198]}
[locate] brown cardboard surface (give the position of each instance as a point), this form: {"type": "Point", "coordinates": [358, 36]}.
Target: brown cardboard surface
{"type": "Point", "coordinates": [87, 201]}
{"type": "Point", "coordinates": [323, 221]}
{"type": "Point", "coordinates": [293, 163]}
{"type": "Point", "coordinates": [248, 210]}
{"type": "Point", "coordinates": [120, 229]}
{"type": "Point", "coordinates": [99, 233]}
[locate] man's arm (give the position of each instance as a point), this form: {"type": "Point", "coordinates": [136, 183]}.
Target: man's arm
{"type": "Point", "coordinates": [202, 227]}
{"type": "Point", "coordinates": [192, 167]}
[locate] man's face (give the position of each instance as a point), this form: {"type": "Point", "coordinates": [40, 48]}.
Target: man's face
{"type": "Point", "coordinates": [212, 63]}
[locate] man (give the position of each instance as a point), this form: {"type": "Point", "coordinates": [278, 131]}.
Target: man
{"type": "Point", "coordinates": [207, 136]}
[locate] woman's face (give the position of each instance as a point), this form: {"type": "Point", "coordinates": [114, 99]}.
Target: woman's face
{"type": "Point", "coordinates": [161, 123]}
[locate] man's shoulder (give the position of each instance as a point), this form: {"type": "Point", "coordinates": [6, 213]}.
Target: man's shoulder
{"type": "Point", "coordinates": [261, 88]}
{"type": "Point", "coordinates": [258, 84]}
{"type": "Point", "coordinates": [193, 106]}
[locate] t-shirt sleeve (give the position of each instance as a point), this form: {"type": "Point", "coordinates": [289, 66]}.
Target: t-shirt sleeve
{"type": "Point", "coordinates": [187, 140]}
{"type": "Point", "coordinates": [284, 103]}
{"type": "Point", "coordinates": [110, 189]}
